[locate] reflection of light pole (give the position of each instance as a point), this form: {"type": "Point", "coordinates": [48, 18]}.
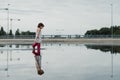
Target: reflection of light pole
{"type": "Point", "coordinates": [11, 57]}
{"type": "Point", "coordinates": [6, 69]}
{"type": "Point", "coordinates": [111, 65]}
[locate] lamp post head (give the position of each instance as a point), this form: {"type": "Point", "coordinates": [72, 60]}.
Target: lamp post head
{"type": "Point", "coordinates": [18, 19]}
{"type": "Point", "coordinates": [11, 19]}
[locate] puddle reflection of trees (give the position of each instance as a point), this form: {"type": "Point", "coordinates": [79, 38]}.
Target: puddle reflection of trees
{"type": "Point", "coordinates": [105, 48]}
{"type": "Point", "coordinates": [113, 49]}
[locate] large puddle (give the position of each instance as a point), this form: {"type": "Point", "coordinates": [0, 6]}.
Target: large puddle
{"type": "Point", "coordinates": [61, 62]}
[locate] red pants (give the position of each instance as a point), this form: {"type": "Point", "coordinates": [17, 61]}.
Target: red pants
{"type": "Point", "coordinates": [38, 49]}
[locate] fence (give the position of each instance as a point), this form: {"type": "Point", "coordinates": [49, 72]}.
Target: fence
{"type": "Point", "coordinates": [58, 36]}
{"type": "Point", "coordinates": [43, 36]}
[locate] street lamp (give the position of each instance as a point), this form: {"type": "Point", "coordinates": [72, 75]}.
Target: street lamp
{"type": "Point", "coordinates": [112, 20]}
{"type": "Point", "coordinates": [11, 19]}
{"type": "Point", "coordinates": [7, 15]}
{"type": "Point", "coordinates": [112, 38]}
{"type": "Point", "coordinates": [8, 19]}
{"type": "Point", "coordinates": [7, 9]}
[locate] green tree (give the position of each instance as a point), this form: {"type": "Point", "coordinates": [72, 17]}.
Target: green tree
{"type": "Point", "coordinates": [2, 32]}
{"type": "Point", "coordinates": [105, 31]}
{"type": "Point", "coordinates": [117, 32]}
{"type": "Point", "coordinates": [92, 32]}
{"type": "Point", "coordinates": [27, 33]}
{"type": "Point", "coordinates": [10, 32]}
{"type": "Point", "coordinates": [17, 32]}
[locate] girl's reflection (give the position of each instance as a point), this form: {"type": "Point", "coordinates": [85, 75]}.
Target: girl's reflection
{"type": "Point", "coordinates": [38, 62]}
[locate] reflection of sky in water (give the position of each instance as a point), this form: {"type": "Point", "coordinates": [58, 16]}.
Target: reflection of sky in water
{"type": "Point", "coordinates": [60, 62]}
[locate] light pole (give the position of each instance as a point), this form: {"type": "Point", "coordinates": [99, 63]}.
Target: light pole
{"type": "Point", "coordinates": [112, 20]}
{"type": "Point", "coordinates": [112, 38]}
{"type": "Point", "coordinates": [7, 36]}
{"type": "Point", "coordinates": [11, 19]}
{"type": "Point", "coordinates": [8, 19]}
{"type": "Point", "coordinates": [7, 9]}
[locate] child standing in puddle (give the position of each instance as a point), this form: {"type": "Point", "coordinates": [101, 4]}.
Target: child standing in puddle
{"type": "Point", "coordinates": [37, 43]}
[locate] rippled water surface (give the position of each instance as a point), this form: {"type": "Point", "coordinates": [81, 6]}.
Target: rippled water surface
{"type": "Point", "coordinates": [61, 62]}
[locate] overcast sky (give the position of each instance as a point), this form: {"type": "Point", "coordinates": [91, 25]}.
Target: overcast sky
{"type": "Point", "coordinates": [60, 16]}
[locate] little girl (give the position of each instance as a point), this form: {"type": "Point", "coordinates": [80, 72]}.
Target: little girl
{"type": "Point", "coordinates": [38, 39]}
{"type": "Point", "coordinates": [37, 43]}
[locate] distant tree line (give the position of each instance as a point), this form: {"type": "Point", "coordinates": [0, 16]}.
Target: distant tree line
{"type": "Point", "coordinates": [24, 32]}
{"type": "Point", "coordinates": [17, 32]}
{"type": "Point", "coordinates": [104, 31]}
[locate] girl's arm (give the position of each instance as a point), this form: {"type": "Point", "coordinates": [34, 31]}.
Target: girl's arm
{"type": "Point", "coordinates": [38, 32]}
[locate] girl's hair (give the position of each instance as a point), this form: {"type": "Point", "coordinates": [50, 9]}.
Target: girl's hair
{"type": "Point", "coordinates": [40, 24]}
